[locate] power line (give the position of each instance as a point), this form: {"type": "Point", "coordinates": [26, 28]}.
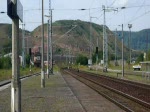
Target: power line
{"type": "Point", "coordinates": [138, 10]}
{"type": "Point", "coordinates": [139, 16]}
{"type": "Point", "coordinates": [112, 3]}
{"type": "Point", "coordinates": [92, 4]}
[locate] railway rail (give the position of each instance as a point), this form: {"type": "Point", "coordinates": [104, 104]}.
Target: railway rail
{"type": "Point", "coordinates": [131, 96]}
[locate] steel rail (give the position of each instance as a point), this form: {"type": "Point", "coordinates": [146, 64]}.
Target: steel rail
{"type": "Point", "coordinates": [145, 104]}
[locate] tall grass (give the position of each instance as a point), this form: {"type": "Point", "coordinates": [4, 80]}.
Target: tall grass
{"type": "Point", "coordinates": [6, 74]}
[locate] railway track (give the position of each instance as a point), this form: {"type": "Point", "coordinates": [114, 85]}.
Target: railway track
{"type": "Point", "coordinates": [130, 96]}
{"type": "Point", "coordinates": [3, 83]}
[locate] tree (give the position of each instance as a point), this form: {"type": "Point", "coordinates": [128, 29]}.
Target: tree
{"type": "Point", "coordinates": [5, 63]}
{"type": "Point", "coordinates": [83, 60]}
{"type": "Point", "coordinates": [140, 58]}
{"type": "Point", "coordinates": [7, 46]}
{"type": "Point", "coordinates": [100, 56]}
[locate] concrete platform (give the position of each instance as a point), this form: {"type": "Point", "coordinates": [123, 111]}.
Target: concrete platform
{"type": "Point", "coordinates": [61, 94]}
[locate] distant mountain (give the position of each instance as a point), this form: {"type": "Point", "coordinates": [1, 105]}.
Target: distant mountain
{"type": "Point", "coordinates": [139, 40]}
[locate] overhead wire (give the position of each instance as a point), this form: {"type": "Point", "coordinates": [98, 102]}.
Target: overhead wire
{"type": "Point", "coordinates": [112, 3]}
{"type": "Point", "coordinates": [139, 16]}
{"type": "Point", "coordinates": [138, 9]}
{"type": "Point", "coordinates": [92, 4]}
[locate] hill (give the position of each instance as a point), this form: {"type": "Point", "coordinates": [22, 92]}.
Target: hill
{"type": "Point", "coordinates": [5, 34]}
{"type": "Point", "coordinates": [139, 40]}
{"type": "Point", "coordinates": [6, 40]}
{"type": "Point", "coordinates": [66, 36]}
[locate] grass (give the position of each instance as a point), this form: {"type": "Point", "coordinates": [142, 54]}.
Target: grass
{"type": "Point", "coordinates": [6, 74]}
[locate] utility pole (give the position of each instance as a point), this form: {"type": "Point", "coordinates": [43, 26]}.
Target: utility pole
{"type": "Point", "coordinates": [91, 39]}
{"type": "Point", "coordinates": [122, 52]}
{"type": "Point", "coordinates": [147, 47]}
{"type": "Point", "coordinates": [105, 39]}
{"type": "Point", "coordinates": [129, 42]}
{"type": "Point", "coordinates": [51, 46]}
{"type": "Point", "coordinates": [105, 45]}
{"type": "Point", "coordinates": [97, 55]}
{"type": "Point", "coordinates": [48, 49]}
{"type": "Point", "coordinates": [90, 60]}
{"type": "Point", "coordinates": [49, 38]}
{"type": "Point", "coordinates": [42, 45]}
{"type": "Point", "coordinates": [23, 45]}
{"type": "Point", "coordinates": [116, 48]}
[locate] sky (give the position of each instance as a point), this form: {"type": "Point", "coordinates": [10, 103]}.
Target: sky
{"type": "Point", "coordinates": [135, 12]}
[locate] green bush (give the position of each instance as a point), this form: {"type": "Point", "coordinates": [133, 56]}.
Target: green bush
{"type": "Point", "coordinates": [28, 60]}
{"type": "Point", "coordinates": [83, 60]}
{"type": "Point", "coordinates": [100, 56]}
{"type": "Point", "coordinates": [5, 63]}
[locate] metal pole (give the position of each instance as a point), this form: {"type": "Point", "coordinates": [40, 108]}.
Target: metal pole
{"type": "Point", "coordinates": [129, 42]}
{"type": "Point", "coordinates": [15, 82]}
{"type": "Point", "coordinates": [104, 40]}
{"type": "Point", "coordinates": [97, 55]}
{"type": "Point", "coordinates": [51, 46]}
{"type": "Point", "coordinates": [105, 48]}
{"type": "Point", "coordinates": [147, 47]}
{"type": "Point", "coordinates": [48, 49]}
{"type": "Point", "coordinates": [42, 45]}
{"type": "Point", "coordinates": [116, 48]}
{"type": "Point", "coordinates": [122, 52]}
{"type": "Point", "coordinates": [130, 45]}
{"type": "Point", "coordinates": [90, 39]}
{"type": "Point", "coordinates": [23, 56]}
{"type": "Point", "coordinates": [24, 48]}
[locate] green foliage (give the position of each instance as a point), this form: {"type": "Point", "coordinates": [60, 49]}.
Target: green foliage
{"type": "Point", "coordinates": [138, 39]}
{"type": "Point", "coordinates": [100, 56]}
{"type": "Point", "coordinates": [5, 63]}
{"type": "Point", "coordinates": [28, 60]}
{"type": "Point", "coordinates": [6, 47]}
{"type": "Point", "coordinates": [140, 58]}
{"type": "Point", "coordinates": [83, 60]}
{"type": "Point", "coordinates": [58, 50]}
{"type": "Point", "coordinates": [111, 57]}
{"type": "Point", "coordinates": [148, 56]}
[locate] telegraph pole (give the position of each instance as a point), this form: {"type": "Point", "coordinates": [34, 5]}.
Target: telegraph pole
{"type": "Point", "coordinates": [97, 55]}
{"type": "Point", "coordinates": [51, 46]}
{"type": "Point", "coordinates": [105, 45]}
{"type": "Point", "coordinates": [91, 39]}
{"type": "Point", "coordinates": [116, 48]}
{"type": "Point", "coordinates": [122, 52]}
{"type": "Point", "coordinates": [105, 40]}
{"type": "Point", "coordinates": [90, 42]}
{"type": "Point", "coordinates": [42, 45]}
{"type": "Point", "coordinates": [23, 46]}
{"type": "Point", "coordinates": [129, 42]}
{"type": "Point", "coordinates": [147, 46]}
{"type": "Point", "coordinates": [48, 49]}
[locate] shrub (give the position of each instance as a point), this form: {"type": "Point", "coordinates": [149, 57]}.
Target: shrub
{"type": "Point", "coordinates": [5, 63]}
{"type": "Point", "coordinates": [83, 60]}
